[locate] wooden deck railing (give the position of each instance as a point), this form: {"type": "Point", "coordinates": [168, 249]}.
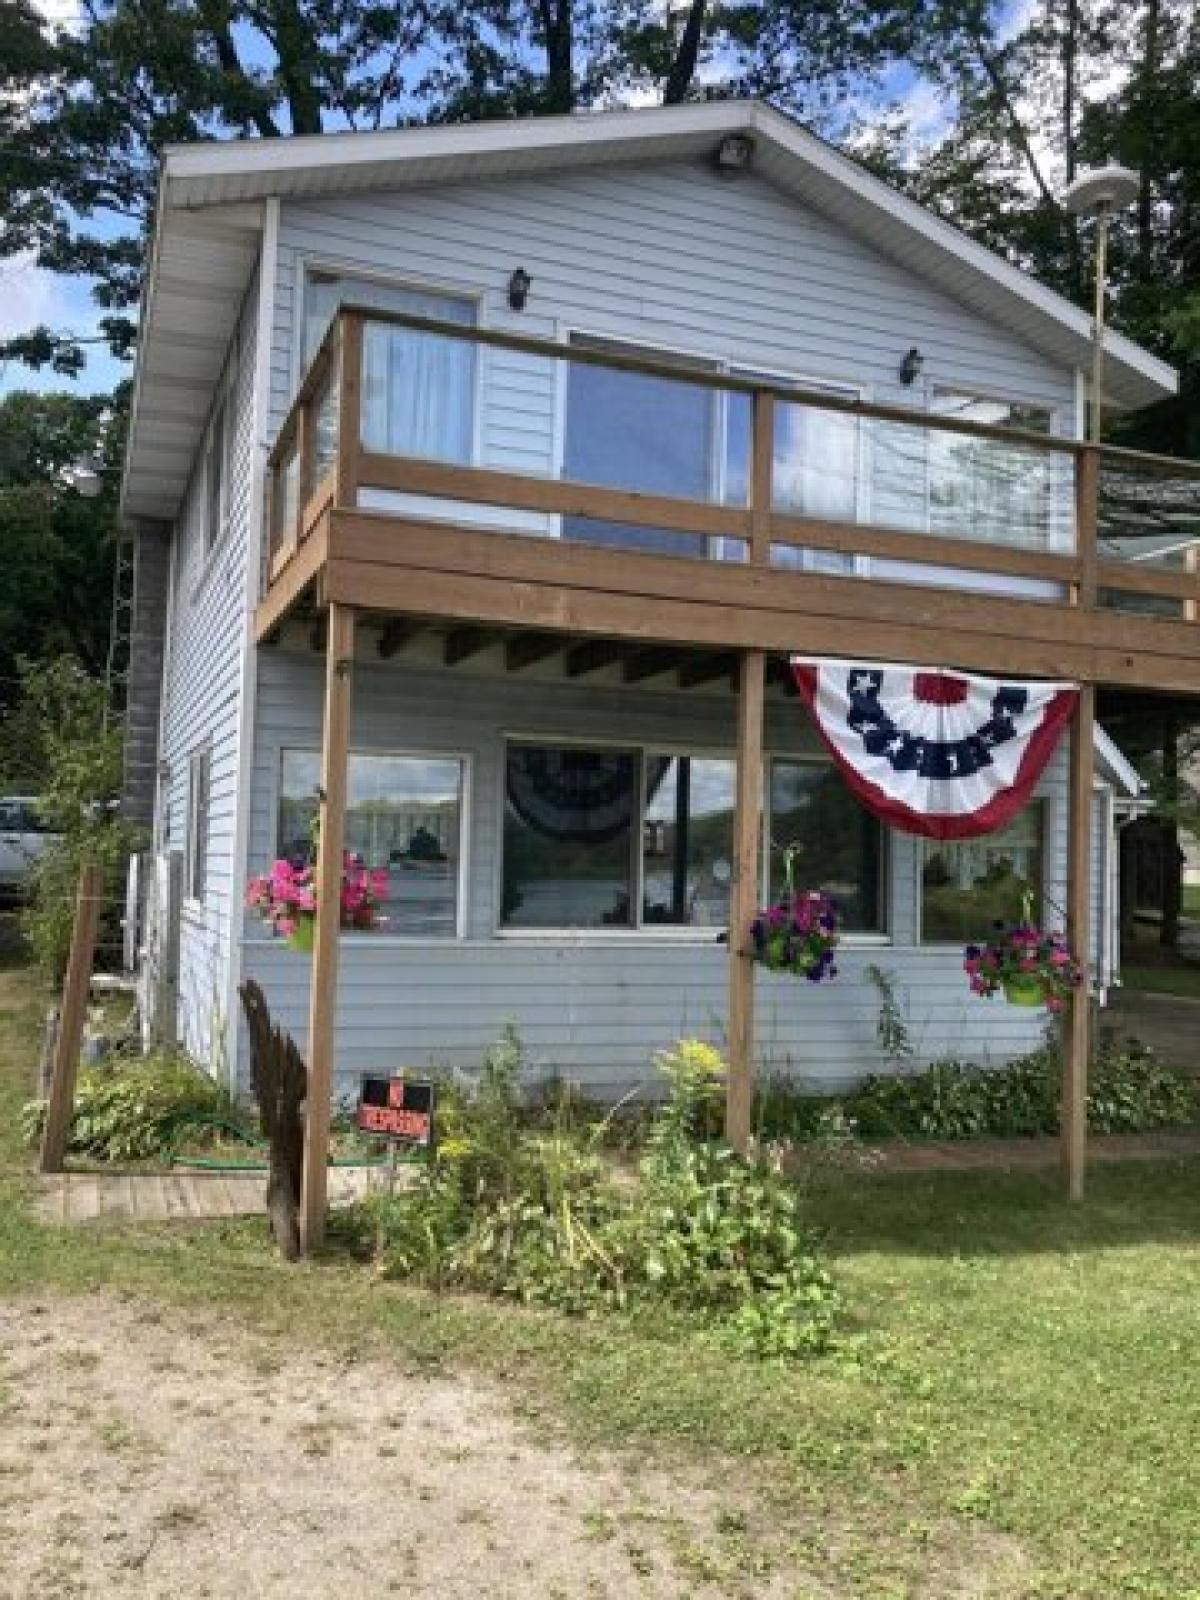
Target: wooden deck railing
{"type": "Point", "coordinates": [1130, 534]}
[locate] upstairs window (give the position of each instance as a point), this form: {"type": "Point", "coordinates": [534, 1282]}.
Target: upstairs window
{"type": "Point", "coordinates": [985, 489]}
{"type": "Point", "coordinates": [418, 389]}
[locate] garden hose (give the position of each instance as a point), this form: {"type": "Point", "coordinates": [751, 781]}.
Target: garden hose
{"type": "Point", "coordinates": [199, 1119]}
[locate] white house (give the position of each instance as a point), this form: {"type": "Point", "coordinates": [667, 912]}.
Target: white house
{"type": "Point", "coordinates": [543, 718]}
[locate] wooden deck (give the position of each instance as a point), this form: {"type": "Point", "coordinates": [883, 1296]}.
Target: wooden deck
{"type": "Point", "coordinates": [1120, 589]}
{"type": "Point", "coordinates": [180, 1196]}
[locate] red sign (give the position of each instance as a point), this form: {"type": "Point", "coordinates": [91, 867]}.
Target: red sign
{"type": "Point", "coordinates": [396, 1108]}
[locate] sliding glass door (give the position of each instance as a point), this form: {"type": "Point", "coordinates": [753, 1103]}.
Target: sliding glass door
{"type": "Point", "coordinates": [629, 431]}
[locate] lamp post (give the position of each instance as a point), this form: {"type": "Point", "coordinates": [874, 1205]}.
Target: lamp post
{"type": "Point", "coordinates": [1099, 194]}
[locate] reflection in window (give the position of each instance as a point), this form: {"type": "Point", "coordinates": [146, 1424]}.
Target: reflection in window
{"type": "Point", "coordinates": [969, 885]}
{"type": "Point", "coordinates": [1001, 493]}
{"type": "Point", "coordinates": [568, 838]}
{"type": "Point", "coordinates": [403, 814]}
{"type": "Point", "coordinates": [687, 841]}
{"type": "Point", "coordinates": [838, 845]}
{"type": "Point", "coordinates": [626, 430]}
{"type": "Point", "coordinates": [814, 468]}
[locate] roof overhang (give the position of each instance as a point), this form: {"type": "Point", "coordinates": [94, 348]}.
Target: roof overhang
{"type": "Point", "coordinates": [209, 219]}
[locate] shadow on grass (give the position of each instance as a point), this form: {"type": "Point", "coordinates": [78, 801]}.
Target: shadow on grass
{"type": "Point", "coordinates": [997, 1213]}
{"type": "Point", "coordinates": [13, 950]}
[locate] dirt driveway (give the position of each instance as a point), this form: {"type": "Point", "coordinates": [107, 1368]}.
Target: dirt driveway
{"type": "Point", "coordinates": [152, 1454]}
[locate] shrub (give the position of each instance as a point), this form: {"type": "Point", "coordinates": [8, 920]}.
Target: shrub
{"type": "Point", "coordinates": [135, 1110]}
{"type": "Point", "coordinates": [537, 1215]}
{"type": "Point", "coordinates": [1129, 1091]}
{"type": "Point", "coordinates": [76, 763]}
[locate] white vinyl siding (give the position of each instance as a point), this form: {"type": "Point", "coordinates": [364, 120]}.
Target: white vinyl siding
{"type": "Point", "coordinates": [202, 680]}
{"type": "Point", "coordinates": [593, 1004]}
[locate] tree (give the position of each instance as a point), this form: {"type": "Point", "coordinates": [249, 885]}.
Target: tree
{"type": "Point", "coordinates": [1080, 83]}
{"type": "Point", "coordinates": [89, 111]}
{"type": "Point", "coordinates": [56, 576]}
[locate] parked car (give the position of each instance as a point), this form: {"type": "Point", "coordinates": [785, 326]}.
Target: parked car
{"type": "Point", "coordinates": [23, 837]}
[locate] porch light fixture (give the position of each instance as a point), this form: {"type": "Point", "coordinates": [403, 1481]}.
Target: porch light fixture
{"type": "Point", "coordinates": [1099, 194]}
{"type": "Point", "coordinates": [911, 367]}
{"type": "Point", "coordinates": [734, 153]}
{"type": "Point", "coordinates": [518, 289]}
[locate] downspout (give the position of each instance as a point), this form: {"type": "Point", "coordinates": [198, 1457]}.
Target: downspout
{"type": "Point", "coordinates": [264, 337]}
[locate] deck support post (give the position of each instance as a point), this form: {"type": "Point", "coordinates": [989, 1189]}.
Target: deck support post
{"type": "Point", "coordinates": [1077, 1033]}
{"type": "Point", "coordinates": [743, 899]}
{"type": "Point", "coordinates": [335, 745]}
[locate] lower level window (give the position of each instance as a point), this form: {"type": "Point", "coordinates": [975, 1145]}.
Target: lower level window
{"type": "Point", "coordinates": [836, 845]}
{"type": "Point", "coordinates": [403, 815]}
{"type": "Point", "coordinates": [969, 885]}
{"type": "Point", "coordinates": [616, 838]}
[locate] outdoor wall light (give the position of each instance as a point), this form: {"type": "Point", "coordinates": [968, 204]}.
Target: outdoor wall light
{"type": "Point", "coordinates": [734, 153]}
{"type": "Point", "coordinates": [518, 289]}
{"type": "Point", "coordinates": [912, 366]}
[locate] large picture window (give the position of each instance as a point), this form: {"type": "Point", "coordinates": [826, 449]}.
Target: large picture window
{"type": "Point", "coordinates": [969, 885]}
{"type": "Point", "coordinates": [403, 815]}
{"type": "Point", "coordinates": [616, 838]}
{"type": "Point", "coordinates": [569, 837]}
{"type": "Point", "coordinates": [838, 846]}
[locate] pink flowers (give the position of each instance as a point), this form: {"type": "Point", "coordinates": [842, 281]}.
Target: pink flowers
{"type": "Point", "coordinates": [286, 897]}
{"type": "Point", "coordinates": [1031, 965]}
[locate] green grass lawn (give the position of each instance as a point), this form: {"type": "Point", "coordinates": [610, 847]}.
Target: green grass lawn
{"type": "Point", "coordinates": [1015, 1395]}
{"type": "Point", "coordinates": [1168, 977]}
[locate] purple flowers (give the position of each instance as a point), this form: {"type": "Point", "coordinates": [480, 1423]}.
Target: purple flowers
{"type": "Point", "coordinates": [1022, 960]}
{"type": "Point", "coordinates": [799, 934]}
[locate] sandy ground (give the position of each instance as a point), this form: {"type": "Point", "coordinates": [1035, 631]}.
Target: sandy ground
{"type": "Point", "coordinates": [151, 1454]}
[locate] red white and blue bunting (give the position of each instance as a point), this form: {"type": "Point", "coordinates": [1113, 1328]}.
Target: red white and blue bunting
{"type": "Point", "coordinates": [942, 754]}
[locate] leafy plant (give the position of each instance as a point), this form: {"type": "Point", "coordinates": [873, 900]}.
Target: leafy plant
{"type": "Point", "coordinates": [537, 1214]}
{"type": "Point", "coordinates": [1129, 1091]}
{"type": "Point", "coordinates": [136, 1110]}
{"type": "Point", "coordinates": [891, 1025]}
{"type": "Point", "coordinates": [62, 712]}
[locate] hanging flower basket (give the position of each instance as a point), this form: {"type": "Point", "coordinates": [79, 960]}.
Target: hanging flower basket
{"type": "Point", "coordinates": [799, 934]}
{"type": "Point", "coordinates": [1025, 992]}
{"type": "Point", "coordinates": [286, 899]}
{"type": "Point", "coordinates": [1030, 966]}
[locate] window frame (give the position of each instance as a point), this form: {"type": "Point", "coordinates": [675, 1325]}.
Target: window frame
{"type": "Point", "coordinates": [448, 289]}
{"type": "Point", "coordinates": [1043, 804]}
{"type": "Point", "coordinates": [677, 933]}
{"type": "Point", "coordinates": [197, 841]}
{"type": "Point", "coordinates": [466, 791]}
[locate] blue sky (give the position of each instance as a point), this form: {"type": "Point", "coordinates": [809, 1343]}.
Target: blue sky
{"type": "Point", "coordinates": [30, 296]}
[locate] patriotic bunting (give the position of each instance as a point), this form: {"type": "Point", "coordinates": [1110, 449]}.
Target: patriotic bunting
{"type": "Point", "coordinates": [935, 753]}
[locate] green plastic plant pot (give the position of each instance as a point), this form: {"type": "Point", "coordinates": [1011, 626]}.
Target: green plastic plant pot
{"type": "Point", "coordinates": [305, 931]}
{"type": "Point", "coordinates": [1025, 992]}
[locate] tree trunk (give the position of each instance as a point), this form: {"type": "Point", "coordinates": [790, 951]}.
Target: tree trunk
{"type": "Point", "coordinates": [280, 1081]}
{"type": "Point", "coordinates": [683, 68]}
